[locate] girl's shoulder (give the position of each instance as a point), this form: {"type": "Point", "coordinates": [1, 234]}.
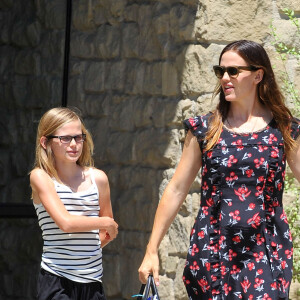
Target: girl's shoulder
{"type": "Point", "coordinates": [100, 176]}
{"type": "Point", "coordinates": [40, 182]}
{"type": "Point", "coordinates": [38, 174]}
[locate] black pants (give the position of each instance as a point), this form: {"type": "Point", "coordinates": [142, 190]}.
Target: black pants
{"type": "Point", "coordinates": [52, 287]}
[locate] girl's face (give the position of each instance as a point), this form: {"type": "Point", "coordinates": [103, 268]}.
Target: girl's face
{"type": "Point", "coordinates": [67, 152]}
{"type": "Point", "coordinates": [243, 88]}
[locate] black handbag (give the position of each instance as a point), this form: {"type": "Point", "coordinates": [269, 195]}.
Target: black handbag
{"type": "Point", "coordinates": [145, 290]}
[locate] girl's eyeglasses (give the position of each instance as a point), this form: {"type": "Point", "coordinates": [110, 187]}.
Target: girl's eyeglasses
{"type": "Point", "coordinates": [233, 71]}
{"type": "Point", "coordinates": [66, 139]}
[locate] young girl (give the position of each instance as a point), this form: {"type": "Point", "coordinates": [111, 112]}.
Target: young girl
{"type": "Point", "coordinates": [72, 201]}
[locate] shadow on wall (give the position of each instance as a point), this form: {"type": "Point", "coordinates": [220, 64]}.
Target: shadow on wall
{"type": "Point", "coordinates": [126, 76]}
{"type": "Point", "coordinates": [127, 64]}
{"type": "Point", "coordinates": [31, 51]}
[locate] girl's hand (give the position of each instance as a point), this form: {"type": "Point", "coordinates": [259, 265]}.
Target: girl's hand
{"type": "Point", "coordinates": [111, 228]}
{"type": "Point", "coordinates": [150, 265]}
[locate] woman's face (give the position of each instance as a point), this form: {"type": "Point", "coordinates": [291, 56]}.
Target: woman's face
{"type": "Point", "coordinates": [67, 152]}
{"type": "Point", "coordinates": [243, 88]}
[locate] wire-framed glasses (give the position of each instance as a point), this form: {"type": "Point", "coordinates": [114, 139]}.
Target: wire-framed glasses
{"type": "Point", "coordinates": [66, 139]}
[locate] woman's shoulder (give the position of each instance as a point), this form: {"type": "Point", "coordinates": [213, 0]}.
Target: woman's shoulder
{"type": "Point", "coordinates": [295, 128]}
{"type": "Point", "coordinates": [197, 124]}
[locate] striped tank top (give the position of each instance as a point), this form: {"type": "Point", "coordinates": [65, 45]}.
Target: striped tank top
{"type": "Point", "coordinates": [78, 255]}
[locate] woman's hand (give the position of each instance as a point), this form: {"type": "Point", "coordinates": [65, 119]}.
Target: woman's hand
{"type": "Point", "coordinates": [173, 197]}
{"type": "Point", "coordinates": [150, 265]}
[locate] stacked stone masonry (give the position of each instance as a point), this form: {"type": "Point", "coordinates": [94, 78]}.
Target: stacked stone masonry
{"type": "Point", "coordinates": [137, 70]}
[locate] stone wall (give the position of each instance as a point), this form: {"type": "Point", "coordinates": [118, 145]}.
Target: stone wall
{"type": "Point", "coordinates": [31, 60]}
{"type": "Point", "coordinates": [137, 69]}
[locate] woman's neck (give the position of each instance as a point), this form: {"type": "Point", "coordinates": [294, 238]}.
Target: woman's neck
{"type": "Point", "coordinates": [247, 118]}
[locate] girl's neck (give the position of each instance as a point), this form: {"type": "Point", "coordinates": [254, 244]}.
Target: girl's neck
{"type": "Point", "coordinates": [69, 172]}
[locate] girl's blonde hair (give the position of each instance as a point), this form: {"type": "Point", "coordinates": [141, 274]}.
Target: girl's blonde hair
{"type": "Point", "coordinates": [268, 93]}
{"type": "Point", "coordinates": [52, 120]}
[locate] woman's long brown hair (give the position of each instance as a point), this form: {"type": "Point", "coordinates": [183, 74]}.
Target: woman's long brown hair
{"type": "Point", "coordinates": [268, 93]}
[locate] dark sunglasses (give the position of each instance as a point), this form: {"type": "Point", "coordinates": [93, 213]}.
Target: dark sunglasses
{"type": "Point", "coordinates": [233, 71]}
{"type": "Point", "coordinates": [66, 139]}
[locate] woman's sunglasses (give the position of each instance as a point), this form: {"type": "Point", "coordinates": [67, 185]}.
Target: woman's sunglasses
{"type": "Point", "coordinates": [232, 71]}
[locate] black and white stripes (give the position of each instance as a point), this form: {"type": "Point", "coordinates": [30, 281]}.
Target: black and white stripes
{"type": "Point", "coordinates": [76, 256]}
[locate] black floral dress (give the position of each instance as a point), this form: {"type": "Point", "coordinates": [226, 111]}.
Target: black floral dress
{"type": "Point", "coordinates": [240, 245]}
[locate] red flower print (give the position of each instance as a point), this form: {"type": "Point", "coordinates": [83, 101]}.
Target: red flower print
{"type": "Point", "coordinates": [272, 138]}
{"type": "Point", "coordinates": [245, 284]}
{"type": "Point", "coordinates": [254, 221]}
{"type": "Point", "coordinates": [275, 152]}
{"type": "Point", "coordinates": [209, 202]}
{"type": "Point", "coordinates": [207, 266]}
{"type": "Point", "coordinates": [186, 281]}
{"type": "Point", "coordinates": [251, 206]}
{"type": "Point", "coordinates": [205, 210]}
{"type": "Point", "coordinates": [251, 266]}
{"type": "Point", "coordinates": [231, 160]}
{"type": "Point", "coordinates": [235, 270]}
{"type": "Point", "coordinates": [193, 123]}
{"type": "Point", "coordinates": [259, 272]}
{"type": "Point", "coordinates": [258, 256]}
{"type": "Point", "coordinates": [258, 282]}
{"type": "Point", "coordinates": [261, 179]}
{"type": "Point", "coordinates": [274, 285]}
{"type": "Point", "coordinates": [283, 217]}
{"type": "Point", "coordinates": [223, 270]}
{"type": "Point", "coordinates": [236, 239]}
{"type": "Point", "coordinates": [283, 264]}
{"type": "Point", "coordinates": [209, 154]}
{"type": "Point", "coordinates": [249, 173]}
{"type": "Point", "coordinates": [259, 191]}
{"type": "Point", "coordinates": [288, 253]}
{"type": "Point", "coordinates": [262, 148]}
{"type": "Point", "coordinates": [230, 180]}
{"type": "Point", "coordinates": [201, 234]}
{"type": "Point", "coordinates": [259, 239]}
{"type": "Point", "coordinates": [227, 288]}
{"type": "Point", "coordinates": [203, 284]}
{"type": "Point", "coordinates": [235, 215]}
{"type": "Point", "coordinates": [231, 254]}
{"type": "Point", "coordinates": [239, 144]}
{"type": "Point", "coordinates": [258, 162]}
{"type": "Point", "coordinates": [215, 292]}
{"type": "Point", "coordinates": [194, 266]}
{"type": "Point", "coordinates": [267, 297]}
{"type": "Point", "coordinates": [194, 250]}
{"type": "Point", "coordinates": [242, 192]}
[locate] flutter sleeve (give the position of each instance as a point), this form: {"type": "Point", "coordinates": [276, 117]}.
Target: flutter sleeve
{"type": "Point", "coordinates": [295, 128]}
{"type": "Point", "coordinates": [198, 126]}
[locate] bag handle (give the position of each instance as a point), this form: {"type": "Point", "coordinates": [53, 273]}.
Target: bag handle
{"type": "Point", "coordinates": [145, 289]}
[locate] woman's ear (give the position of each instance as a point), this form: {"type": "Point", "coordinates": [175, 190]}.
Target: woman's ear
{"type": "Point", "coordinates": [259, 76]}
{"type": "Point", "coordinates": [43, 142]}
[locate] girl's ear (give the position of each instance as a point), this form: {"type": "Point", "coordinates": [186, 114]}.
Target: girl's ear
{"type": "Point", "coordinates": [43, 142]}
{"type": "Point", "coordinates": [259, 76]}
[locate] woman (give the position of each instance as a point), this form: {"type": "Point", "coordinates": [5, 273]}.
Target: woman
{"type": "Point", "coordinates": [240, 245]}
{"type": "Point", "coordinates": [72, 201]}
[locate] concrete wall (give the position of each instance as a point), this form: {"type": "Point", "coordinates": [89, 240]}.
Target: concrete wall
{"type": "Point", "coordinates": [137, 69]}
